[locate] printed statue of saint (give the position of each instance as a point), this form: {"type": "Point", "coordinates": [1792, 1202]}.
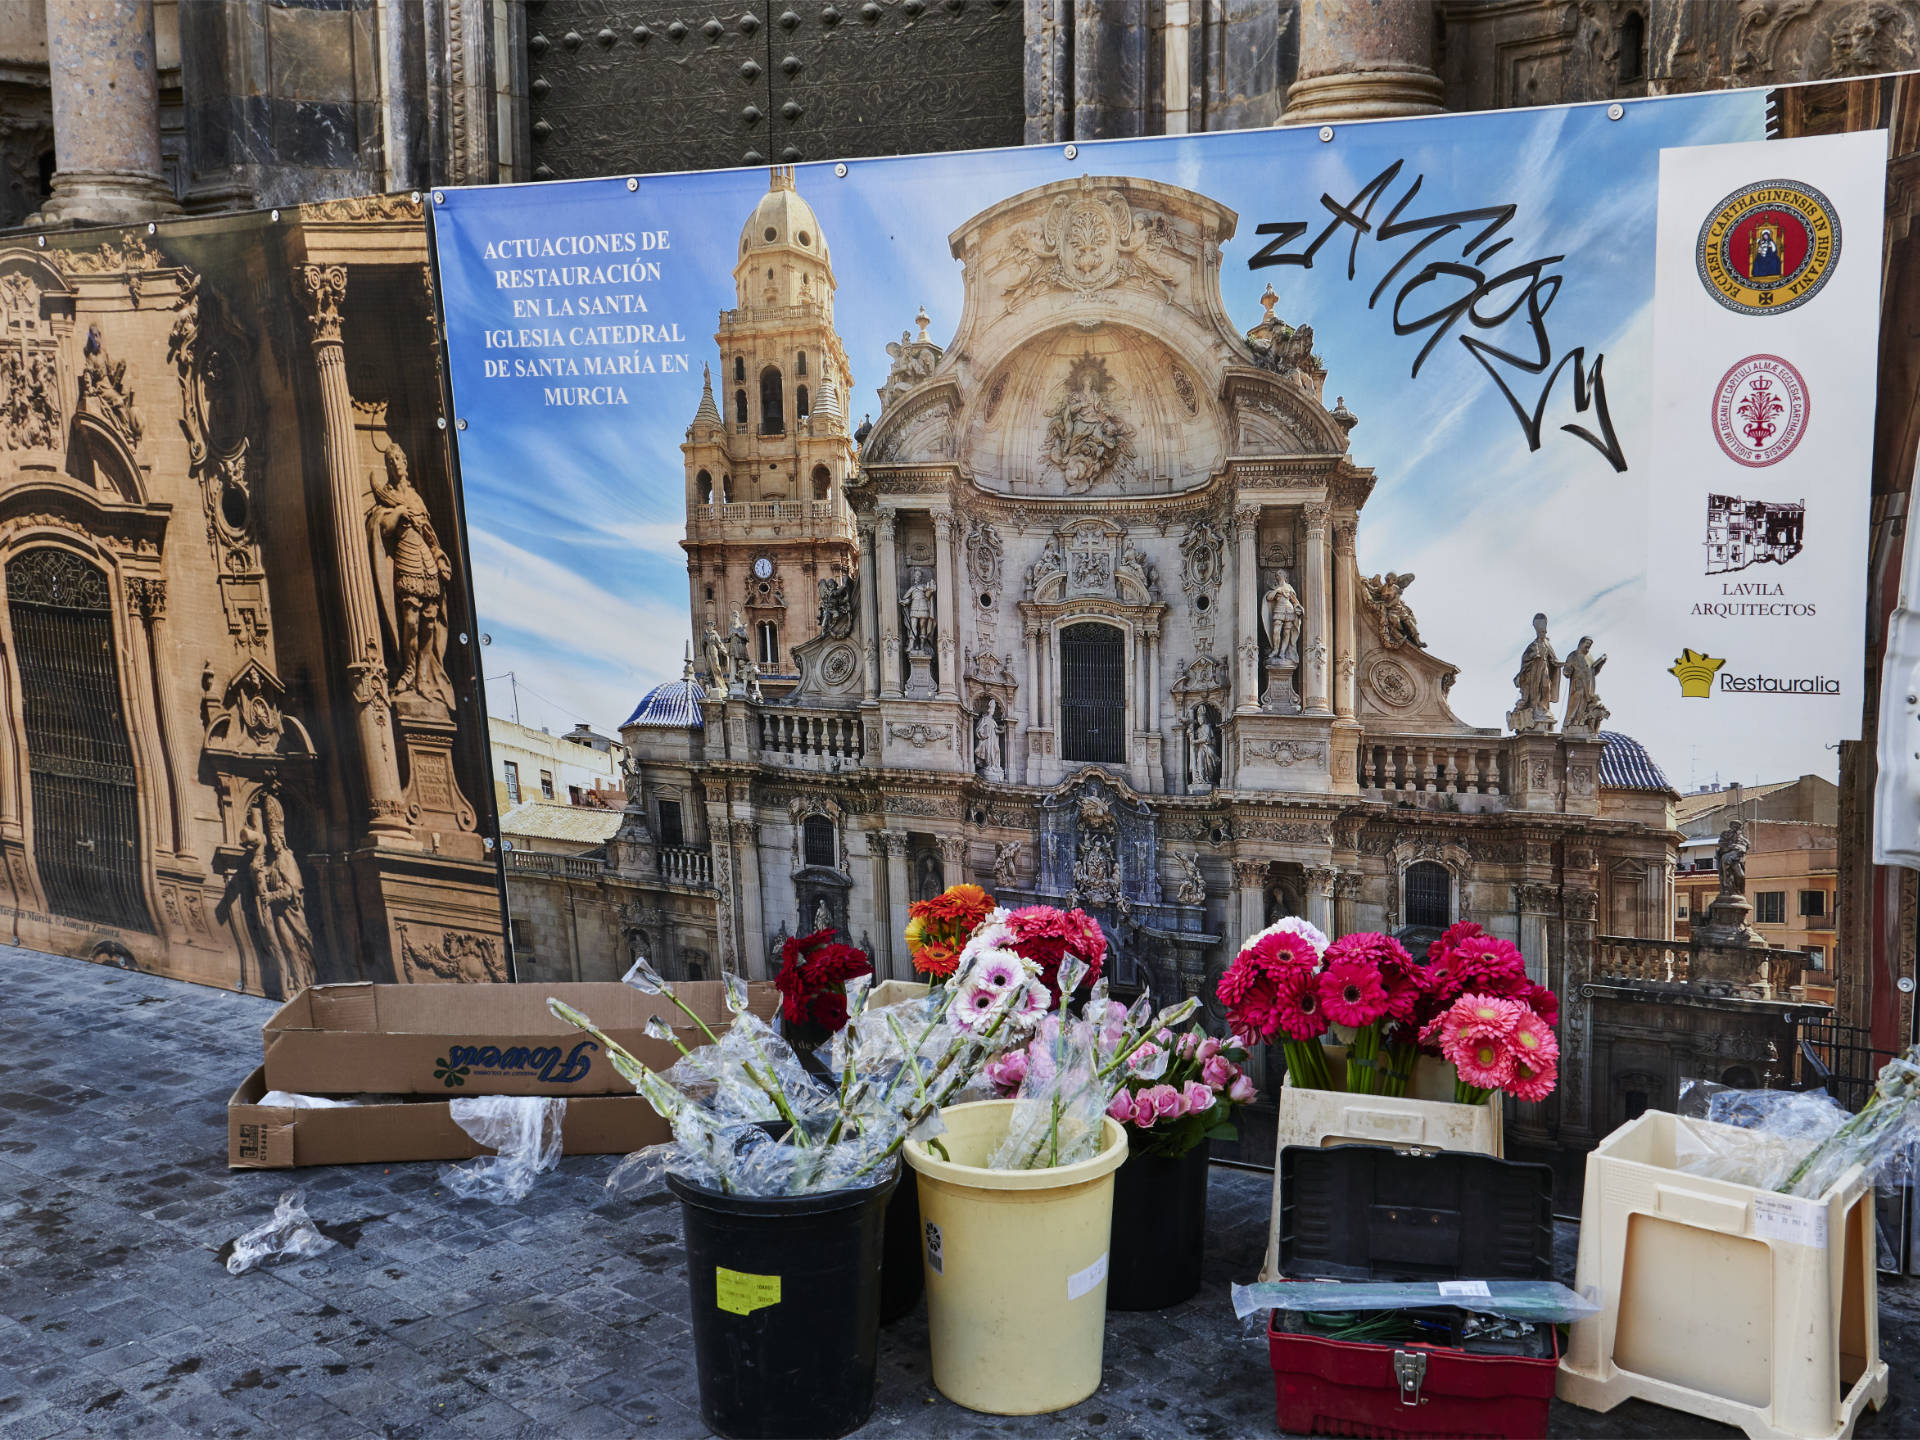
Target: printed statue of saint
{"type": "Point", "coordinates": [1763, 253]}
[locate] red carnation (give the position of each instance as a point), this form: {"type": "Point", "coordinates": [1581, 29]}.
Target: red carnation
{"type": "Point", "coordinates": [812, 980]}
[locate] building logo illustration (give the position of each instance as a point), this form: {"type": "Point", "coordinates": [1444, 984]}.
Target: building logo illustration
{"type": "Point", "coordinates": [1769, 247]}
{"type": "Point", "coordinates": [1752, 532]}
{"type": "Point", "coordinates": [1760, 410]}
{"type": "Point", "coordinates": [1695, 671]}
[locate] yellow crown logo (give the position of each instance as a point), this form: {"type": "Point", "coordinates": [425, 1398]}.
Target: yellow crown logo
{"type": "Point", "coordinates": [1695, 673]}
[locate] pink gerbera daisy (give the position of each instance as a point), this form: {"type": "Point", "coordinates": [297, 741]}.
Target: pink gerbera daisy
{"type": "Point", "coordinates": [1487, 1017]}
{"type": "Point", "coordinates": [1533, 1040]}
{"type": "Point", "coordinates": [1485, 1064]}
{"type": "Point", "coordinates": [1351, 992]}
{"type": "Point", "coordinates": [1297, 1007]}
{"type": "Point", "coordinates": [1533, 1085]}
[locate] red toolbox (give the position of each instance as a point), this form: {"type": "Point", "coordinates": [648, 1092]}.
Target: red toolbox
{"type": "Point", "coordinates": [1360, 1212]}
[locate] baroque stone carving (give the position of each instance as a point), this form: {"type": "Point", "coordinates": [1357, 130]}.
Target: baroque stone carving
{"type": "Point", "coordinates": [1283, 752]}
{"type": "Point", "coordinates": [984, 555]}
{"type": "Point", "coordinates": [30, 408]}
{"type": "Point", "coordinates": [1203, 557]}
{"type": "Point", "coordinates": [1088, 243]}
{"type": "Point", "coordinates": [1384, 597]}
{"type": "Point", "coordinates": [837, 595]}
{"type": "Point", "coordinates": [1006, 863]}
{"type": "Point", "coordinates": [411, 575]}
{"type": "Point", "coordinates": [1088, 441]}
{"type": "Point", "coordinates": [1585, 713]}
{"type": "Point", "coordinates": [276, 894]}
{"type": "Point", "coordinates": [464, 956]}
{"type": "Point", "coordinates": [104, 389]}
{"type": "Point", "coordinates": [1202, 729]}
{"type": "Point", "coordinates": [1191, 888]}
{"type": "Point", "coordinates": [988, 755]}
{"type": "Point", "coordinates": [1538, 682]}
{"type": "Point", "coordinates": [1392, 683]}
{"type": "Point", "coordinates": [919, 736]}
{"type": "Point", "coordinates": [914, 359]}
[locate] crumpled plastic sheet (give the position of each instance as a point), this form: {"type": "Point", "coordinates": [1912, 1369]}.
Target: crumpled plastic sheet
{"type": "Point", "coordinates": [288, 1100]}
{"type": "Point", "coordinates": [290, 1234]}
{"type": "Point", "coordinates": [1543, 1302]}
{"type": "Point", "coordinates": [1778, 1129]}
{"type": "Point", "coordinates": [524, 1131]}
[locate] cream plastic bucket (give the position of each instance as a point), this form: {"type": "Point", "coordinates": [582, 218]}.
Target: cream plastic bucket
{"type": "Point", "coordinates": [1016, 1264]}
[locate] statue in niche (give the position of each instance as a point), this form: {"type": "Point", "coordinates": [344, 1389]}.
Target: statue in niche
{"type": "Point", "coordinates": [1538, 682]}
{"type": "Point", "coordinates": [1282, 612]}
{"type": "Point", "coordinates": [986, 743]}
{"type": "Point", "coordinates": [714, 648]}
{"type": "Point", "coordinates": [919, 603]}
{"type": "Point", "coordinates": [928, 879]}
{"type": "Point", "coordinates": [1006, 861]}
{"type": "Point", "coordinates": [104, 387]}
{"type": "Point", "coordinates": [1584, 710]}
{"type": "Point", "coordinates": [1131, 563]}
{"type": "Point", "coordinates": [1096, 876]}
{"type": "Point", "coordinates": [1050, 564]}
{"type": "Point", "coordinates": [276, 895]}
{"type": "Point", "coordinates": [1203, 741]}
{"type": "Point", "coordinates": [739, 650]}
{"type": "Point", "coordinates": [1192, 886]}
{"type": "Point", "coordinates": [1087, 440]}
{"type": "Point", "coordinates": [822, 915]}
{"type": "Point", "coordinates": [411, 573]}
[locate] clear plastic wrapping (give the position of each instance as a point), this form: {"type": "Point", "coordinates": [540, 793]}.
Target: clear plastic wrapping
{"type": "Point", "coordinates": [1880, 1139]}
{"type": "Point", "coordinates": [290, 1234]}
{"type": "Point", "coordinates": [524, 1130]}
{"type": "Point", "coordinates": [1768, 1133]}
{"type": "Point", "coordinates": [1540, 1302]}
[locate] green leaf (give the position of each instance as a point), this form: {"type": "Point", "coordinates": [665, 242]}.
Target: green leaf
{"type": "Point", "coordinates": [1222, 1131]}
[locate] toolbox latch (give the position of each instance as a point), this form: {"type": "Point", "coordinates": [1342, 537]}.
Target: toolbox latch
{"type": "Point", "coordinates": [1410, 1373]}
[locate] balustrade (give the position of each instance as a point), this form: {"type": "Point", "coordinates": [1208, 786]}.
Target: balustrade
{"type": "Point", "coordinates": [1422, 765]}
{"type": "Point", "coordinates": [684, 865]}
{"type": "Point", "coordinates": [815, 739]}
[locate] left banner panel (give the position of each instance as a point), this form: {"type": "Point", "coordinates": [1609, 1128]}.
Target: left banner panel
{"type": "Point", "coordinates": [240, 735]}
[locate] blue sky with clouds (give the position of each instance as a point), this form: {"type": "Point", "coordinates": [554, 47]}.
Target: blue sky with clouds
{"type": "Point", "coordinates": [574, 514]}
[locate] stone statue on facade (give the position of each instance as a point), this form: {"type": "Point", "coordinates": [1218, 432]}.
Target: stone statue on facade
{"type": "Point", "coordinates": [822, 915]}
{"type": "Point", "coordinates": [411, 574]}
{"type": "Point", "coordinates": [1192, 886]}
{"type": "Point", "coordinates": [1585, 713]}
{"type": "Point", "coordinates": [986, 743]}
{"type": "Point", "coordinates": [104, 388]}
{"type": "Point", "coordinates": [1203, 744]}
{"type": "Point", "coordinates": [1050, 564]}
{"type": "Point", "coordinates": [919, 604]}
{"type": "Point", "coordinates": [1006, 861]}
{"type": "Point", "coordinates": [276, 895]}
{"type": "Point", "coordinates": [753, 682]}
{"type": "Point", "coordinates": [1385, 597]}
{"type": "Point", "coordinates": [1730, 858]}
{"type": "Point", "coordinates": [1282, 612]}
{"type": "Point", "coordinates": [836, 596]}
{"type": "Point", "coordinates": [739, 651]}
{"type": "Point", "coordinates": [1538, 682]}
{"type": "Point", "coordinates": [1096, 878]}
{"type": "Point", "coordinates": [713, 648]}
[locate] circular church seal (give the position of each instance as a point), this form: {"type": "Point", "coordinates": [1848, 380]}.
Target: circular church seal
{"type": "Point", "coordinates": [1760, 410]}
{"type": "Point", "coordinates": [1768, 248]}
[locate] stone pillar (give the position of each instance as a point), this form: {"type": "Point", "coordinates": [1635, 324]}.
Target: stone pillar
{"type": "Point", "coordinates": [1363, 59]}
{"type": "Point", "coordinates": [147, 603]}
{"type": "Point", "coordinates": [106, 115]}
{"type": "Point", "coordinates": [1578, 1120]}
{"type": "Point", "coordinates": [720, 836]}
{"type": "Point", "coordinates": [886, 599]}
{"type": "Point", "coordinates": [1246, 524]}
{"type": "Point", "coordinates": [753, 920]}
{"type": "Point", "coordinates": [869, 615]}
{"type": "Point", "coordinates": [1313, 643]}
{"type": "Point", "coordinates": [884, 963]}
{"type": "Point", "coordinates": [1346, 657]}
{"type": "Point", "coordinates": [1320, 880]}
{"type": "Point", "coordinates": [1250, 879]}
{"type": "Point", "coordinates": [1346, 900]}
{"type": "Point", "coordinates": [947, 645]}
{"type": "Point", "coordinates": [324, 288]}
{"type": "Point", "coordinates": [1536, 904]}
{"type": "Point", "coordinates": [897, 902]}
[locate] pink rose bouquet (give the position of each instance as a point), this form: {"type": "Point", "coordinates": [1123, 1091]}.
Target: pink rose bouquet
{"type": "Point", "coordinates": [1169, 1111]}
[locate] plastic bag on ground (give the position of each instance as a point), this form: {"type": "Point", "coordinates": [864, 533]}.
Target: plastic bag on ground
{"type": "Point", "coordinates": [1542, 1302]}
{"type": "Point", "coordinates": [290, 1233]}
{"type": "Point", "coordinates": [524, 1130]}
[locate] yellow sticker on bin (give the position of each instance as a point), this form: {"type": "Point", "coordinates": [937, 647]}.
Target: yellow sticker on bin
{"type": "Point", "coordinates": [741, 1294]}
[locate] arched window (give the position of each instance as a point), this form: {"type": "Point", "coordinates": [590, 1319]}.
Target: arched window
{"type": "Point", "coordinates": [822, 483]}
{"type": "Point", "coordinates": [739, 368]}
{"type": "Point", "coordinates": [1633, 47]}
{"type": "Point", "coordinates": [1429, 895]}
{"type": "Point", "coordinates": [769, 643]}
{"type": "Point", "coordinates": [1093, 693]}
{"type": "Point", "coordinates": [705, 483]}
{"type": "Point", "coordinates": [816, 840]}
{"type": "Point", "coordinates": [726, 489]}
{"type": "Point", "coordinates": [800, 402]}
{"type": "Point", "coordinates": [800, 365]}
{"type": "Point", "coordinates": [773, 405]}
{"type": "Point", "coordinates": [739, 407]}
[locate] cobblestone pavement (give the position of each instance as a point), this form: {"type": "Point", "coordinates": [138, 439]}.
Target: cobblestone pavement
{"type": "Point", "coordinates": [562, 1316]}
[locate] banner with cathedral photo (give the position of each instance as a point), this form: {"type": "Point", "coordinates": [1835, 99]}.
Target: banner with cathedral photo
{"type": "Point", "coordinates": [239, 728]}
{"type": "Point", "coordinates": [1197, 529]}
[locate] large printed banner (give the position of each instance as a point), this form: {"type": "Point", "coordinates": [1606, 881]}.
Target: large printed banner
{"type": "Point", "coordinates": [1480, 465]}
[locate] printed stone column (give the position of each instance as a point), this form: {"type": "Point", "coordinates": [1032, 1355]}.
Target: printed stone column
{"type": "Point", "coordinates": [1250, 879]}
{"type": "Point", "coordinates": [719, 835]}
{"type": "Point", "coordinates": [889, 942]}
{"type": "Point", "coordinates": [1579, 906]}
{"type": "Point", "coordinates": [324, 288]}
{"type": "Point", "coordinates": [1345, 657]}
{"type": "Point", "coordinates": [1536, 904]}
{"type": "Point", "coordinates": [1031, 629]}
{"type": "Point", "coordinates": [1320, 880]}
{"type": "Point", "coordinates": [948, 642]}
{"type": "Point", "coordinates": [1313, 645]}
{"type": "Point", "coordinates": [886, 600]}
{"type": "Point", "coordinates": [897, 902]}
{"type": "Point", "coordinates": [869, 628]}
{"type": "Point", "coordinates": [753, 922]}
{"type": "Point", "coordinates": [1362, 59]}
{"type": "Point", "coordinates": [1246, 525]}
{"type": "Point", "coordinates": [106, 115]}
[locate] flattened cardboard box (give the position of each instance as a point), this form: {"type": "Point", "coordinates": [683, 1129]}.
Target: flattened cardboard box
{"type": "Point", "coordinates": [274, 1137]}
{"type": "Point", "coordinates": [478, 1039]}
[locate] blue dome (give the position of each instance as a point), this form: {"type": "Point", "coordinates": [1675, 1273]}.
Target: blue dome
{"type": "Point", "coordinates": [1626, 765]}
{"type": "Point", "coordinates": [672, 706]}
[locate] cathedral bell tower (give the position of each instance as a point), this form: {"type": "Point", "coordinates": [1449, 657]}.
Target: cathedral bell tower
{"type": "Point", "coordinates": [768, 453]}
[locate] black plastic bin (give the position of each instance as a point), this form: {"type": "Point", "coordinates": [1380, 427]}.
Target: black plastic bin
{"type": "Point", "coordinates": [902, 1275]}
{"type": "Point", "coordinates": [786, 1307]}
{"type": "Point", "coordinates": [1159, 1230]}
